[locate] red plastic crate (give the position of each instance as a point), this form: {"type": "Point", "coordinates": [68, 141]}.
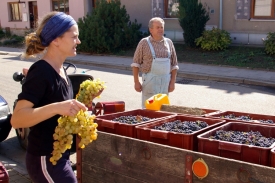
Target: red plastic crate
{"type": "Point", "coordinates": [106, 124]}
{"type": "Point", "coordinates": [255, 117]}
{"type": "Point", "coordinates": [272, 157]}
{"type": "Point", "coordinates": [102, 108]}
{"type": "Point", "coordinates": [4, 176]}
{"type": "Point", "coordinates": [243, 152]}
{"type": "Point", "coordinates": [175, 139]}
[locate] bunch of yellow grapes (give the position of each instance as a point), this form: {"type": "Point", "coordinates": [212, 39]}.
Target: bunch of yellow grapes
{"type": "Point", "coordinates": [81, 124]}
{"type": "Point", "coordinates": [89, 90]}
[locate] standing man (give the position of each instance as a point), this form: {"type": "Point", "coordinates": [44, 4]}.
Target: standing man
{"type": "Point", "coordinates": [155, 57]}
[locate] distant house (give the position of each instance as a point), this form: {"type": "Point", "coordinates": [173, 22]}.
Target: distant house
{"type": "Point", "coordinates": [247, 21]}
{"type": "Point", "coordinates": [20, 16]}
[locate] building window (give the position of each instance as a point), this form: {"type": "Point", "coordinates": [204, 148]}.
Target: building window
{"type": "Point", "coordinates": [263, 9]}
{"type": "Point", "coordinates": [15, 12]}
{"type": "Point", "coordinates": [171, 8]}
{"type": "Point", "coordinates": [61, 5]}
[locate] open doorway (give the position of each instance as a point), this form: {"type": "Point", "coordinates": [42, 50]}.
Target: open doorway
{"type": "Point", "coordinates": [33, 14]}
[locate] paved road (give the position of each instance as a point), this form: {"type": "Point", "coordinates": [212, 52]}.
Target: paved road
{"type": "Point", "coordinates": [186, 70]}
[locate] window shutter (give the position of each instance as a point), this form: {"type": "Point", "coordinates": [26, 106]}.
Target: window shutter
{"type": "Point", "coordinates": [243, 9]}
{"type": "Point", "coordinates": [157, 8]}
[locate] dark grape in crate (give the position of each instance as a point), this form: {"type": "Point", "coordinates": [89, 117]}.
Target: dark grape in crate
{"type": "Point", "coordinates": [234, 150]}
{"type": "Point", "coordinates": [182, 140]}
{"type": "Point", "coordinates": [245, 117]}
{"type": "Point", "coordinates": [107, 123]}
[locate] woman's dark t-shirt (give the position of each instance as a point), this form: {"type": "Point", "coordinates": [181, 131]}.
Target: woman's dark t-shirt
{"type": "Point", "coordinates": [44, 86]}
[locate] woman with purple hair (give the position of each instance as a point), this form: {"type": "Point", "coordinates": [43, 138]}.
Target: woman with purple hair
{"type": "Point", "coordinates": [46, 95]}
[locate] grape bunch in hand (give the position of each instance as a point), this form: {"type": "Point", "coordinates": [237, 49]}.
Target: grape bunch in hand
{"type": "Point", "coordinates": [81, 124]}
{"type": "Point", "coordinates": [89, 90]}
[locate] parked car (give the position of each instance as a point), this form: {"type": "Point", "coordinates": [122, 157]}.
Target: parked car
{"type": "Point", "coordinates": [5, 116]}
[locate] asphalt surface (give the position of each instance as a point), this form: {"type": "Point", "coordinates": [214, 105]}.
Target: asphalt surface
{"type": "Point", "coordinates": [18, 174]}
{"type": "Point", "coordinates": [186, 70]}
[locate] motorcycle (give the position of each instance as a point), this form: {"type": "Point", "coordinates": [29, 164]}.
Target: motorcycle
{"type": "Point", "coordinates": [76, 80]}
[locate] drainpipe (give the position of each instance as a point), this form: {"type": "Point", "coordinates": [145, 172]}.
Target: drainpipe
{"type": "Point", "coordinates": [220, 23]}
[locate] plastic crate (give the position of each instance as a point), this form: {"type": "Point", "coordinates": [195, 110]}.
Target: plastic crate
{"type": "Point", "coordinates": [175, 139]}
{"type": "Point", "coordinates": [102, 108]}
{"type": "Point", "coordinates": [255, 117]}
{"type": "Point", "coordinates": [4, 176]}
{"type": "Point", "coordinates": [106, 124]}
{"type": "Point", "coordinates": [272, 157]}
{"type": "Point", "coordinates": [243, 152]}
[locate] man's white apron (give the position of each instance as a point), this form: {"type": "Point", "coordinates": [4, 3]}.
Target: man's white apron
{"type": "Point", "coordinates": [157, 80]}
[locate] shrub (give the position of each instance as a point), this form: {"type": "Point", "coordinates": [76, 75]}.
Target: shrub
{"type": "Point", "coordinates": [7, 42]}
{"type": "Point", "coordinates": [14, 40]}
{"type": "Point", "coordinates": [17, 39]}
{"type": "Point", "coordinates": [269, 43]}
{"type": "Point", "coordinates": [215, 39]}
{"type": "Point", "coordinates": [108, 29]}
{"type": "Point", "coordinates": [192, 18]}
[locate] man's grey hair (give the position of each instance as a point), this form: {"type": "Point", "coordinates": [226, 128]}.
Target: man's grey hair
{"type": "Point", "coordinates": [155, 19]}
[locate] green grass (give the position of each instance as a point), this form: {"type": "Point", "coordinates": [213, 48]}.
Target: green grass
{"type": "Point", "coordinates": [235, 56]}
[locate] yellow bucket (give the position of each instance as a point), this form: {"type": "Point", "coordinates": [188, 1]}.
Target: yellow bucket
{"type": "Point", "coordinates": [155, 102]}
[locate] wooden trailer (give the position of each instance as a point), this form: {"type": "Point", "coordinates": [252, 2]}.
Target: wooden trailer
{"type": "Point", "coordinates": [116, 158]}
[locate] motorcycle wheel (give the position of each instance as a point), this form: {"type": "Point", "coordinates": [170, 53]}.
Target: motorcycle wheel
{"type": "Point", "coordinates": [22, 135]}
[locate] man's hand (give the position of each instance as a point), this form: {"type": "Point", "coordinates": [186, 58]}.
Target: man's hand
{"type": "Point", "coordinates": [171, 87]}
{"type": "Point", "coordinates": [138, 87]}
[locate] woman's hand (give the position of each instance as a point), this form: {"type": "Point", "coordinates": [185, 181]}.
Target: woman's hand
{"type": "Point", "coordinates": [25, 71]}
{"type": "Point", "coordinates": [71, 107]}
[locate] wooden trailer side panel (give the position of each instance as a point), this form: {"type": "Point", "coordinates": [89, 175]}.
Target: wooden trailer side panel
{"type": "Point", "coordinates": [114, 158]}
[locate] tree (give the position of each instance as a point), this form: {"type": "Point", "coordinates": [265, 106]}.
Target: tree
{"type": "Point", "coordinates": [108, 29]}
{"type": "Point", "coordinates": [193, 17]}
